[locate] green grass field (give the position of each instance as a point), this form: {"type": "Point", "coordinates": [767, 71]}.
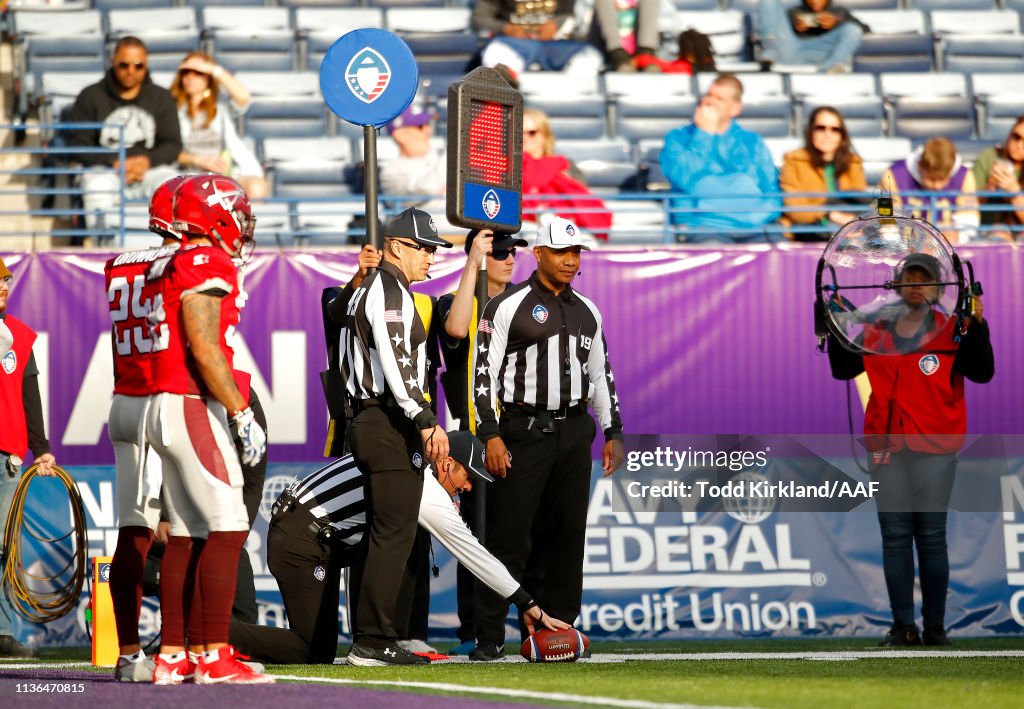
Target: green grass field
{"type": "Point", "coordinates": [833, 678]}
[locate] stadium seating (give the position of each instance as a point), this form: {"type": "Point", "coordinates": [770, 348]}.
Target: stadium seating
{"type": "Point", "coordinates": [130, 4]}
{"type": "Point", "coordinates": [284, 104]}
{"type": "Point", "coordinates": [576, 107]}
{"type": "Point", "coordinates": [970, 41]}
{"type": "Point", "coordinates": [607, 164]}
{"type": "Point", "coordinates": [320, 27]}
{"type": "Point", "coordinates": [309, 167]}
{"type": "Point", "coordinates": [439, 37]}
{"type": "Point", "coordinates": [928, 68]}
{"type": "Point", "coordinates": [58, 41]}
{"type": "Point", "coordinates": [649, 105]}
{"type": "Point", "coordinates": [999, 102]}
{"type": "Point", "coordinates": [928, 105]}
{"type": "Point", "coordinates": [899, 41]}
{"type": "Point", "coordinates": [258, 39]}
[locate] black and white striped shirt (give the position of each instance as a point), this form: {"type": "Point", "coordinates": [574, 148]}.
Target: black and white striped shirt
{"type": "Point", "coordinates": [334, 494]}
{"type": "Point", "coordinates": [543, 350]}
{"type": "Point", "coordinates": [383, 345]}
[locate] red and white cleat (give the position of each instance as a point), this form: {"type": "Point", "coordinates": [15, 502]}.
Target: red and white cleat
{"type": "Point", "coordinates": [166, 673]}
{"type": "Point", "coordinates": [225, 666]}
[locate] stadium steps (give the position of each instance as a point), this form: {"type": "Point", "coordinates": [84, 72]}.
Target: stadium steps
{"type": "Point", "coordinates": [10, 198]}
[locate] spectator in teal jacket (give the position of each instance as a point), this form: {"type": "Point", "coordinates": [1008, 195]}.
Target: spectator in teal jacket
{"type": "Point", "coordinates": [727, 170]}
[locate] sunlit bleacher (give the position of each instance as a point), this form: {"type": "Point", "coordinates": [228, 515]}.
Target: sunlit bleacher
{"type": "Point", "coordinates": [928, 68]}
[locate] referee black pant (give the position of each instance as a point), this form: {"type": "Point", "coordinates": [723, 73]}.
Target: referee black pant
{"type": "Point", "coordinates": [549, 481]}
{"type": "Point", "coordinates": [308, 572]}
{"type": "Point", "coordinates": [384, 444]}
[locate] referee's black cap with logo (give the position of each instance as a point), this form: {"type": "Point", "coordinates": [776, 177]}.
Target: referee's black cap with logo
{"type": "Point", "coordinates": [469, 451]}
{"type": "Point", "coordinates": [502, 242]}
{"type": "Point", "coordinates": [417, 225]}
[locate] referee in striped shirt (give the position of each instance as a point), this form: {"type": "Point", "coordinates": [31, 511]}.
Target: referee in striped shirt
{"type": "Point", "coordinates": [313, 533]}
{"type": "Point", "coordinates": [393, 431]}
{"type": "Point", "coordinates": [541, 358]}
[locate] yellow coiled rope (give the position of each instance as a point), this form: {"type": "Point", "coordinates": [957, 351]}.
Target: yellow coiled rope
{"type": "Point", "coordinates": [35, 605]}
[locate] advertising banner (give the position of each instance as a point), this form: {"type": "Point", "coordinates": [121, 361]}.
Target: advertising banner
{"type": "Point", "coordinates": [712, 349]}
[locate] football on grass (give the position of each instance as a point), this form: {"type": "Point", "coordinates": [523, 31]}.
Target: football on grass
{"type": "Point", "coordinates": [554, 646]}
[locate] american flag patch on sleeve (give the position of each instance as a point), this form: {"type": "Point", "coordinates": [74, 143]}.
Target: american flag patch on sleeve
{"type": "Point", "coordinates": [392, 316]}
{"type": "Point", "coordinates": [486, 327]}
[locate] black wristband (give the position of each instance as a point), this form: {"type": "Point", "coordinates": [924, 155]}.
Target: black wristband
{"type": "Point", "coordinates": [521, 599]}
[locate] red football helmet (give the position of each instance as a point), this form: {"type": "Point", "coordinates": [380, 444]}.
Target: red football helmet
{"type": "Point", "coordinates": [215, 206]}
{"type": "Point", "coordinates": [160, 206]}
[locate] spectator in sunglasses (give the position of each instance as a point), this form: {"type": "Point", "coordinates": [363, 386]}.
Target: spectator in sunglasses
{"type": "Point", "coordinates": [210, 140]}
{"type": "Point", "coordinates": [826, 165]}
{"type": "Point", "coordinates": [999, 169]}
{"type": "Point", "coordinates": [126, 97]}
{"type": "Point", "coordinates": [552, 184]}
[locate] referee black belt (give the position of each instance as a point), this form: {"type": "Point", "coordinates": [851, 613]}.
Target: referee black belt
{"type": "Point", "coordinates": [384, 401]}
{"type": "Point", "coordinates": [564, 412]}
{"type": "Point", "coordinates": [293, 518]}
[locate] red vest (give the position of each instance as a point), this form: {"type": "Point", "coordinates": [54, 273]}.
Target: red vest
{"type": "Point", "coordinates": [13, 432]}
{"type": "Point", "coordinates": [917, 402]}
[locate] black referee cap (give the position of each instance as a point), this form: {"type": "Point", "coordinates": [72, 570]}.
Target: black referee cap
{"type": "Point", "coordinates": [469, 451]}
{"type": "Point", "coordinates": [417, 225]}
{"type": "Point", "coordinates": [501, 241]}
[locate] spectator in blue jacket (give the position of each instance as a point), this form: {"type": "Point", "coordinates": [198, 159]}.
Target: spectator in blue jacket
{"type": "Point", "coordinates": [727, 170]}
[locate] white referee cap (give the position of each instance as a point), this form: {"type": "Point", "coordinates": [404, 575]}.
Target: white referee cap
{"type": "Point", "coordinates": [560, 234]}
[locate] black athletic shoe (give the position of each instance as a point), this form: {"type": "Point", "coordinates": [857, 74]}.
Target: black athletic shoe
{"type": "Point", "coordinates": [935, 635]}
{"type": "Point", "coordinates": [487, 652]}
{"type": "Point", "coordinates": [362, 656]}
{"type": "Point", "coordinates": [9, 647]}
{"type": "Point", "coordinates": [901, 636]}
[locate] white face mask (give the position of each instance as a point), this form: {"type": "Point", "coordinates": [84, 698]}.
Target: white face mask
{"type": "Point", "coordinates": [6, 338]}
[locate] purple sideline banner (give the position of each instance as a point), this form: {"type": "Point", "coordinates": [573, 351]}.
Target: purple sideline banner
{"type": "Point", "coordinates": [702, 341]}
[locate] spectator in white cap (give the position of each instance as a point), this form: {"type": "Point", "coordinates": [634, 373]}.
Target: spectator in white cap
{"type": "Point", "coordinates": [541, 355]}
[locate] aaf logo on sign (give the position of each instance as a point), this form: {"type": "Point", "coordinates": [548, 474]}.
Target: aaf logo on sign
{"type": "Point", "coordinates": [491, 204]}
{"type": "Point", "coordinates": [368, 75]}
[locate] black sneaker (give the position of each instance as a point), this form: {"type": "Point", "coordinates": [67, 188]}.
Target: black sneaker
{"type": "Point", "coordinates": [901, 636]}
{"type": "Point", "coordinates": [9, 647]}
{"type": "Point", "coordinates": [935, 635]}
{"type": "Point", "coordinates": [487, 652]}
{"type": "Point", "coordinates": [362, 656]}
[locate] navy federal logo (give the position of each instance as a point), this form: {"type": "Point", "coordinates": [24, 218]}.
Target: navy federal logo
{"type": "Point", "coordinates": [368, 75]}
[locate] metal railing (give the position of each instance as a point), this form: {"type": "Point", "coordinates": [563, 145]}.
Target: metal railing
{"type": "Point", "coordinates": [642, 217]}
{"type": "Point", "coordinates": [53, 174]}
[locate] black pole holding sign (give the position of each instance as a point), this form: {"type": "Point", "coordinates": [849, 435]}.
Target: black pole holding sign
{"type": "Point", "coordinates": [485, 165]}
{"type": "Point", "coordinates": [373, 235]}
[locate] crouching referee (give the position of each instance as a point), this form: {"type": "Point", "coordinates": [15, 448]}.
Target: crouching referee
{"type": "Point", "coordinates": [316, 531]}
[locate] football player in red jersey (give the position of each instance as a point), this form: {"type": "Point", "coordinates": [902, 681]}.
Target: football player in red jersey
{"type": "Point", "coordinates": [134, 343]}
{"type": "Point", "coordinates": [189, 424]}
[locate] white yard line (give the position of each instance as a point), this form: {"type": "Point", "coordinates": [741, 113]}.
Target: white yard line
{"type": "Point", "coordinates": [837, 655]}
{"type": "Point", "coordinates": [504, 692]}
